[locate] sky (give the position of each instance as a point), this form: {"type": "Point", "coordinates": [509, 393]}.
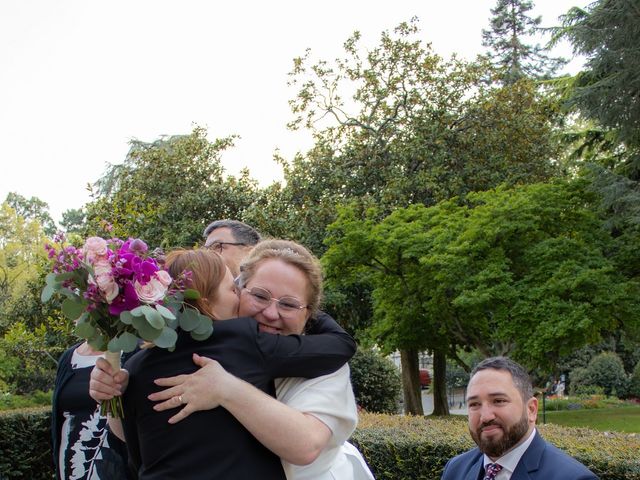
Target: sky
{"type": "Point", "coordinates": [80, 78]}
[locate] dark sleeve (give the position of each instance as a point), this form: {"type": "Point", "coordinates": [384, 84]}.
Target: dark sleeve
{"type": "Point", "coordinates": [307, 356]}
{"type": "Point", "coordinates": [129, 424]}
{"type": "Point", "coordinates": [63, 372]}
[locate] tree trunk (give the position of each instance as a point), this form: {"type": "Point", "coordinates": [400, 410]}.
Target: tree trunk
{"type": "Point", "coordinates": [439, 384]}
{"type": "Point", "coordinates": [411, 382]}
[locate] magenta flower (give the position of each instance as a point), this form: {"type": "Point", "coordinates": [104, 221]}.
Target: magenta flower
{"type": "Point", "coordinates": [127, 300]}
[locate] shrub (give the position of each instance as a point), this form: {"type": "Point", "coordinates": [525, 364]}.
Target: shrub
{"type": "Point", "coordinates": [376, 382]}
{"type": "Point", "coordinates": [604, 370]}
{"type": "Point", "coordinates": [403, 447]}
{"type": "Point", "coordinates": [25, 444]}
{"type": "Point", "coordinates": [634, 382]}
{"type": "Point", "coordinates": [395, 446]}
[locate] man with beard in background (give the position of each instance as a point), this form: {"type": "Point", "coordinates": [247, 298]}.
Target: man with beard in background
{"type": "Point", "coordinates": [502, 418]}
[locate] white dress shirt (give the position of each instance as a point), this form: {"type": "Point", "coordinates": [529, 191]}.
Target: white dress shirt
{"type": "Point", "coordinates": [509, 460]}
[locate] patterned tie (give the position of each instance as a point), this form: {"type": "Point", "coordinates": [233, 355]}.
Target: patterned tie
{"type": "Point", "coordinates": [491, 470]}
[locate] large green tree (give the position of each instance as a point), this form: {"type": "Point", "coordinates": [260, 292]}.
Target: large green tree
{"type": "Point", "coordinates": [167, 191]}
{"type": "Point", "coordinates": [510, 47]}
{"type": "Point", "coordinates": [396, 125]}
{"type": "Point", "coordinates": [605, 93]}
{"type": "Point", "coordinates": [32, 209]}
{"type": "Point", "coordinates": [31, 335]}
{"type": "Point", "coordinates": [608, 87]}
{"type": "Point", "coordinates": [520, 271]}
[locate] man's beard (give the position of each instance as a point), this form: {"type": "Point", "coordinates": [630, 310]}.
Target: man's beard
{"type": "Point", "coordinates": [496, 447]}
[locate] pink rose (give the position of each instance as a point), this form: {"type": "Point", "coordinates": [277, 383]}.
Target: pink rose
{"type": "Point", "coordinates": [102, 266]}
{"type": "Point", "coordinates": [108, 286]}
{"type": "Point", "coordinates": [164, 277]}
{"type": "Point", "coordinates": [152, 292]}
{"type": "Point", "coordinates": [94, 247]}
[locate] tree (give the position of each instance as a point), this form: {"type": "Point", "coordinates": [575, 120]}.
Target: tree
{"type": "Point", "coordinates": [167, 191]}
{"type": "Point", "coordinates": [514, 59]}
{"type": "Point", "coordinates": [21, 249]}
{"type": "Point", "coordinates": [605, 93]}
{"type": "Point", "coordinates": [520, 271]}
{"type": "Point", "coordinates": [32, 209]}
{"type": "Point", "coordinates": [608, 88]}
{"type": "Point", "coordinates": [73, 220]}
{"type": "Point", "coordinates": [399, 125]}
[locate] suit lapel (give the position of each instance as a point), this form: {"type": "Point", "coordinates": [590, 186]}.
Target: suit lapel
{"type": "Point", "coordinates": [530, 461]}
{"type": "Point", "coordinates": [476, 469]}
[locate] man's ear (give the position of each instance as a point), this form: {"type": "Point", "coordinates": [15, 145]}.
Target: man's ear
{"type": "Point", "coordinates": [532, 410]}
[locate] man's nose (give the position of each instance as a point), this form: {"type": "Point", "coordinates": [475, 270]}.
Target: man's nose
{"type": "Point", "coordinates": [486, 413]}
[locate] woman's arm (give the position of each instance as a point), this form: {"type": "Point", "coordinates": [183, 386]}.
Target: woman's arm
{"type": "Point", "coordinates": [294, 436]}
{"type": "Point", "coordinates": [307, 356]}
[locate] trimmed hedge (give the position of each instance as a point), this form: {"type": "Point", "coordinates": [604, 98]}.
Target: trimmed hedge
{"type": "Point", "coordinates": [25, 444]}
{"type": "Point", "coordinates": [396, 447]}
{"type": "Point", "coordinates": [417, 448]}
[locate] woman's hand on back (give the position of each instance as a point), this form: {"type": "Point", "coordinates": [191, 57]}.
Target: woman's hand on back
{"type": "Point", "coordinates": [203, 390]}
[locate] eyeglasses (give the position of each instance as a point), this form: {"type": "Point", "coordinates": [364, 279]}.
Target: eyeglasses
{"type": "Point", "coordinates": [219, 246]}
{"type": "Point", "coordinates": [287, 306]}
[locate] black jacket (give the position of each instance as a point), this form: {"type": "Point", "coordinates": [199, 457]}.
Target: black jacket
{"type": "Point", "coordinates": [212, 444]}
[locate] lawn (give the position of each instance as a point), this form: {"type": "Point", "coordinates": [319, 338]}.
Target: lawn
{"type": "Point", "coordinates": [616, 419]}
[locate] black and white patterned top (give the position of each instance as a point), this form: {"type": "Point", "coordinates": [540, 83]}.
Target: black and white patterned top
{"type": "Point", "coordinates": [88, 451]}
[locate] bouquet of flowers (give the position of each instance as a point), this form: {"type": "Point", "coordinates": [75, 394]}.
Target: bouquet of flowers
{"type": "Point", "coordinates": [118, 295]}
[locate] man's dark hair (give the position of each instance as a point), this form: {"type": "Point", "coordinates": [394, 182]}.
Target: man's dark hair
{"type": "Point", "coordinates": [520, 377]}
{"type": "Point", "coordinates": [241, 231]}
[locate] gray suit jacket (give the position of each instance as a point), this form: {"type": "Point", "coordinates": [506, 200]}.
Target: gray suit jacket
{"type": "Point", "coordinates": [541, 461]}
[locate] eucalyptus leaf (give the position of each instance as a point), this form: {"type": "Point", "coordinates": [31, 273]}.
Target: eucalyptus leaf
{"type": "Point", "coordinates": [73, 309]}
{"type": "Point", "coordinates": [126, 318]}
{"type": "Point", "coordinates": [154, 318]}
{"type": "Point", "coordinates": [128, 342]}
{"type": "Point", "coordinates": [191, 294]}
{"type": "Point", "coordinates": [204, 335]}
{"type": "Point", "coordinates": [61, 277]}
{"type": "Point", "coordinates": [139, 311]}
{"type": "Point", "coordinates": [177, 297]}
{"type": "Point", "coordinates": [173, 323]}
{"type": "Point", "coordinates": [70, 294]}
{"type": "Point", "coordinates": [204, 324]}
{"type": "Point", "coordinates": [145, 331]}
{"type": "Point", "coordinates": [167, 338]}
{"type": "Point", "coordinates": [47, 293]}
{"type": "Point", "coordinates": [50, 279]}
{"type": "Point", "coordinates": [188, 319]}
{"type": "Point", "coordinates": [165, 312]}
{"type": "Point", "coordinates": [85, 330]}
{"type": "Point", "coordinates": [114, 345]}
{"type": "Point", "coordinates": [98, 342]}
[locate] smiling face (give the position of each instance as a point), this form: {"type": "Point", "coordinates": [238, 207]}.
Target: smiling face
{"type": "Point", "coordinates": [499, 418]}
{"type": "Point", "coordinates": [280, 279]}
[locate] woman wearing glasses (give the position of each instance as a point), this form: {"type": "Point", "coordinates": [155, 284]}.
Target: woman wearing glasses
{"type": "Point", "coordinates": [212, 443]}
{"type": "Point", "coordinates": [280, 286]}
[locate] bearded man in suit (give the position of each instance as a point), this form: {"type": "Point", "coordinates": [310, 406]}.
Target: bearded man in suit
{"type": "Point", "coordinates": [502, 419]}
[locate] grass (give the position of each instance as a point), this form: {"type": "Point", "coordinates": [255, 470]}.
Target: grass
{"type": "Point", "coordinates": [617, 419]}
{"type": "Point", "coordinates": [11, 402]}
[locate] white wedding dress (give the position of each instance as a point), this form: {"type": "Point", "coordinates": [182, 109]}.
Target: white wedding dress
{"type": "Point", "coordinates": [330, 399]}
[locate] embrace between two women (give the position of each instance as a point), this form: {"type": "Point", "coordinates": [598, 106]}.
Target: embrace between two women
{"type": "Point", "coordinates": [269, 340]}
